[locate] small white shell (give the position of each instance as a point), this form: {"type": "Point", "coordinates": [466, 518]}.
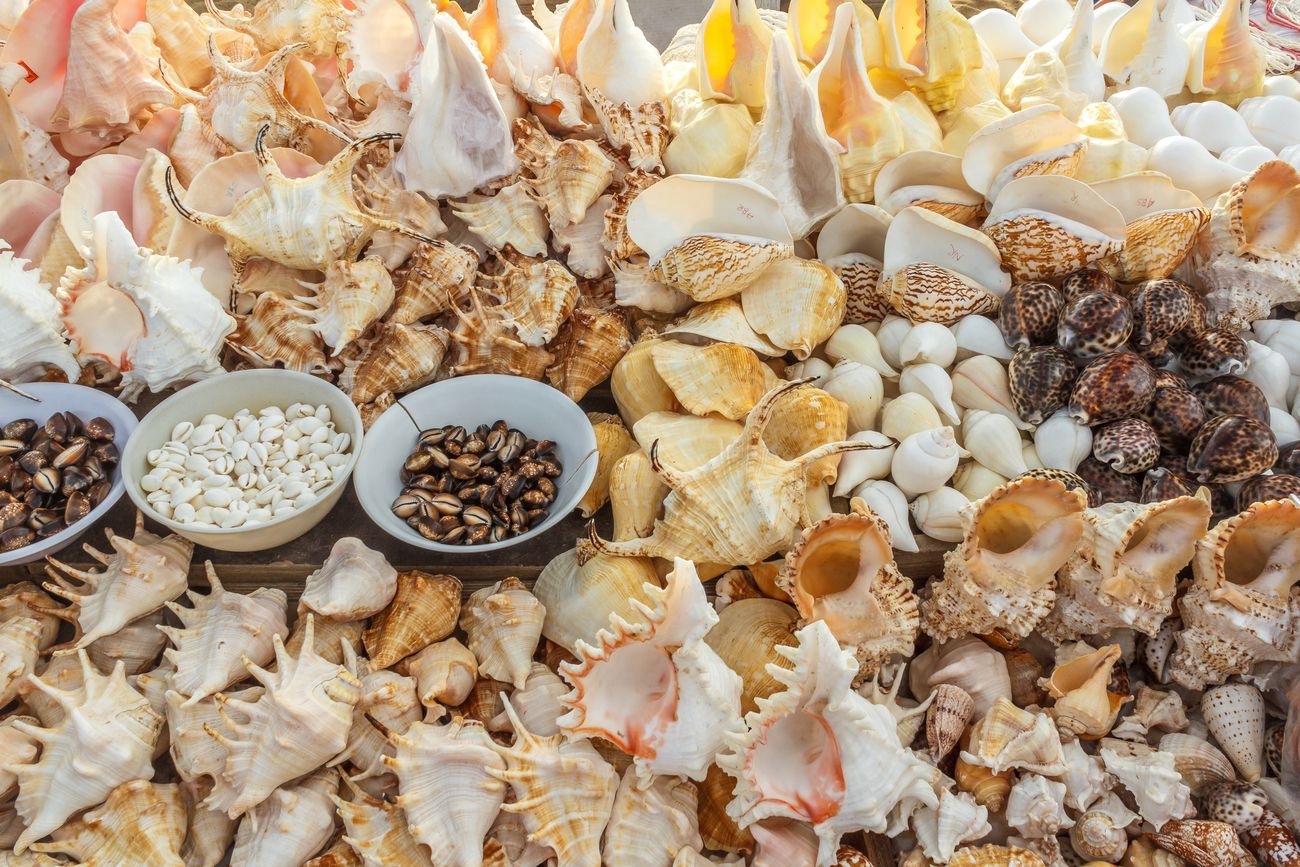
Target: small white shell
{"type": "Point", "coordinates": [934, 384]}
{"type": "Point", "coordinates": [980, 382]}
{"type": "Point", "coordinates": [928, 343]}
{"type": "Point", "coordinates": [858, 467]}
{"type": "Point", "coordinates": [925, 461]}
{"type": "Point", "coordinates": [938, 514]}
{"type": "Point", "coordinates": [890, 334]}
{"type": "Point", "coordinates": [859, 386]}
{"type": "Point", "coordinates": [979, 335]}
{"type": "Point", "coordinates": [1270, 370]}
{"type": "Point", "coordinates": [977, 481]}
{"type": "Point", "coordinates": [907, 414]}
{"type": "Point", "coordinates": [856, 343]}
{"type": "Point", "coordinates": [993, 440]}
{"type": "Point", "coordinates": [1062, 443]}
{"type": "Point", "coordinates": [886, 500]}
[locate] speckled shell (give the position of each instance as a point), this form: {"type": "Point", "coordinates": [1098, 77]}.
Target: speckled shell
{"type": "Point", "coordinates": [1086, 280]}
{"type": "Point", "coordinates": [1232, 395]}
{"type": "Point", "coordinates": [1230, 448]}
{"type": "Point", "coordinates": [1160, 483]}
{"type": "Point", "coordinates": [1111, 387]}
{"type": "Point", "coordinates": [1108, 485]}
{"type": "Point", "coordinates": [1203, 843]}
{"type": "Point", "coordinates": [1240, 805]}
{"type": "Point", "coordinates": [1041, 379]}
{"type": "Point", "coordinates": [1175, 414]}
{"type": "Point", "coordinates": [1093, 324]}
{"type": "Point", "coordinates": [995, 856]}
{"type": "Point", "coordinates": [1029, 313]}
{"type": "Point", "coordinates": [1129, 445]}
{"type": "Point", "coordinates": [1263, 488]}
{"type": "Point", "coordinates": [1161, 309]}
{"type": "Point", "coordinates": [1214, 353]}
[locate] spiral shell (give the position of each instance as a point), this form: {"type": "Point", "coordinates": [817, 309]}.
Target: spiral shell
{"type": "Point", "coordinates": [1231, 448]}
{"type": "Point", "coordinates": [1111, 387]}
{"type": "Point", "coordinates": [1232, 395]}
{"type": "Point", "coordinates": [1041, 379]}
{"type": "Point", "coordinates": [1214, 353]}
{"type": "Point", "coordinates": [1029, 313]}
{"type": "Point", "coordinates": [1129, 445]}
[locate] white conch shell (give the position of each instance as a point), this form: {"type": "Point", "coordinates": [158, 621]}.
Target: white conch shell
{"type": "Point", "coordinates": [377, 830]}
{"type": "Point", "coordinates": [1145, 115]}
{"type": "Point", "coordinates": [220, 635]}
{"type": "Point", "coordinates": [445, 673]}
{"type": "Point", "coordinates": [860, 388]}
{"type": "Point", "coordinates": [503, 623]}
{"type": "Point", "coordinates": [453, 103]}
{"type": "Point", "coordinates": [651, 824]}
{"type": "Point", "coordinates": [1042, 20]}
{"type": "Point", "coordinates": [449, 791]}
{"type": "Point", "coordinates": [1272, 120]}
{"type": "Point", "coordinates": [1085, 777]}
{"type": "Point", "coordinates": [938, 270]}
{"type": "Point", "coordinates": [928, 343]}
{"type": "Point", "coordinates": [538, 705]}
{"type": "Point", "coordinates": [967, 663]}
{"type": "Point", "coordinates": [1074, 47]}
{"type": "Point", "coordinates": [885, 499]}
{"type": "Point", "coordinates": [858, 467]}
{"type": "Point", "coordinates": [993, 440]}
{"type": "Point", "coordinates": [1011, 737]}
{"type": "Point", "coordinates": [1153, 781]}
{"type": "Point", "coordinates": [925, 461]}
{"type": "Point", "coordinates": [852, 243]}
{"type": "Point", "coordinates": [306, 694]}
{"type": "Point", "coordinates": [940, 830]}
{"type": "Point", "coordinates": [517, 52]}
{"type": "Point", "coordinates": [1226, 61]}
{"type": "Point", "coordinates": [1109, 154]}
{"type": "Point", "coordinates": [731, 53]}
{"type": "Point", "coordinates": [618, 683]}
{"type": "Point", "coordinates": [32, 341]}
{"type": "Point", "coordinates": [1034, 141]}
{"type": "Point", "coordinates": [980, 382]}
{"type": "Point", "coordinates": [856, 772]}
{"type": "Point", "coordinates": [1036, 807]}
{"type": "Point", "coordinates": [1213, 124]}
{"type": "Point", "coordinates": [354, 582]}
{"type": "Point", "coordinates": [293, 824]}
{"type": "Point", "coordinates": [928, 179]}
{"type": "Point", "coordinates": [20, 639]}
{"type": "Point", "coordinates": [709, 138]}
{"type": "Point", "coordinates": [1191, 166]}
{"type": "Point", "coordinates": [105, 738]}
{"type": "Point", "coordinates": [1143, 48]}
{"type": "Point", "coordinates": [139, 823]}
{"type": "Point", "coordinates": [932, 383]}
{"type": "Point", "coordinates": [931, 47]}
{"type": "Point", "coordinates": [938, 513]}
{"type": "Point", "coordinates": [1002, 36]}
{"type": "Point", "coordinates": [142, 574]}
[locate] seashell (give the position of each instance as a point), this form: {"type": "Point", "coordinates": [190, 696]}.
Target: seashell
{"type": "Point", "coordinates": [1225, 60]}
{"type": "Point", "coordinates": [746, 638]}
{"type": "Point", "coordinates": [992, 440]}
{"type": "Point", "coordinates": [967, 663]}
{"type": "Point", "coordinates": [947, 718]}
{"type": "Point", "coordinates": [852, 244]}
{"type": "Point", "coordinates": [1099, 832]}
{"type": "Point", "coordinates": [1176, 414]}
{"type": "Point", "coordinates": [209, 833]}
{"type": "Point", "coordinates": [932, 47]}
{"type": "Point", "coordinates": [142, 574]}
{"type": "Point", "coordinates": [1247, 270]}
{"type": "Point", "coordinates": [444, 673]}
{"type": "Point", "coordinates": [537, 297]}
{"type": "Point", "coordinates": [74, 770]}
{"type": "Point", "coordinates": [936, 270]}
{"type": "Point", "coordinates": [1202, 843]}
{"type": "Point", "coordinates": [807, 419]}
{"type": "Point", "coordinates": [636, 495]}
{"type": "Point", "coordinates": [637, 386]}
{"type": "Point", "coordinates": [1237, 804]}
{"type": "Point", "coordinates": [874, 612]}
{"type": "Point", "coordinates": [1268, 116]}
{"type": "Point", "coordinates": [33, 337]}
{"type": "Point", "coordinates": [1213, 124]}
{"type": "Point", "coordinates": [650, 824]}
{"type": "Point", "coordinates": [1001, 576]}
{"type": "Point", "coordinates": [20, 639]}
{"type": "Point", "coordinates": [567, 177]}
{"type": "Point", "coordinates": [509, 217]}
{"type": "Point", "coordinates": [1232, 395]}
{"type": "Point", "coordinates": [1025, 673]}
{"type": "Point", "coordinates": [925, 461]}
{"type": "Point", "coordinates": [679, 738]}
{"type": "Point", "coordinates": [1110, 154]}
{"type": "Point", "coordinates": [731, 54]}
{"type": "Point", "coordinates": [398, 359]}
{"type": "Point", "coordinates": [353, 583]}
{"type": "Point", "coordinates": [980, 382]}
{"type": "Point", "coordinates": [937, 513]}
{"type": "Point", "coordinates": [376, 830]}
{"type": "Point", "coordinates": [1035, 807]}
{"type": "Point", "coordinates": [902, 417]}
{"type": "Point", "coordinates": [1029, 314]}
{"type": "Point", "coordinates": [722, 378]}
{"type": "Point", "coordinates": [612, 442]}
{"type": "Point", "coordinates": [1094, 324]}
{"type": "Point", "coordinates": [1192, 167]}
{"type": "Point", "coordinates": [1144, 49]}
{"type": "Point", "coordinates": [1278, 486]}
{"type": "Point", "coordinates": [1008, 737]}
{"type": "Point", "coordinates": [931, 383]}
{"type": "Point", "coordinates": [1084, 704]}
{"type": "Point", "coordinates": [586, 350]}
{"type": "Point", "coordinates": [583, 242]}
{"type": "Point", "coordinates": [424, 609]}
{"type": "Point", "coordinates": [722, 321]}
{"type": "Point", "coordinates": [1214, 353]}
{"type": "Point", "coordinates": [1105, 485]}
{"type": "Point", "coordinates": [1085, 778]}
{"type": "Point", "coordinates": [353, 296]}
{"type": "Point", "coordinates": [1161, 309]}
{"type": "Point", "coordinates": [140, 822]}
{"type": "Point", "coordinates": [1154, 709]}
{"type": "Point", "coordinates": [437, 276]}
{"type": "Point", "coordinates": [220, 635]}
{"type": "Point", "coordinates": [1047, 225]}
{"type": "Point", "coordinates": [1111, 387]}
{"type": "Point", "coordinates": [1040, 379]}
{"type": "Point", "coordinates": [277, 332]}
{"type": "Point", "coordinates": [886, 500]}
{"type": "Point", "coordinates": [1231, 448]}
{"type": "Point", "coordinates": [928, 343]}
{"type": "Point", "coordinates": [975, 481]}
{"type": "Point", "coordinates": [709, 138]}
{"type": "Point", "coordinates": [940, 830]}
{"type": "Point", "coordinates": [1129, 445]}
{"type": "Point", "coordinates": [1035, 141]}
{"type": "Point", "coordinates": [930, 180]}
{"type": "Point", "coordinates": [818, 689]}
{"type": "Point", "coordinates": [484, 337]}
{"type": "Point", "coordinates": [1234, 714]}
{"type": "Point", "coordinates": [579, 598]}
{"type": "Point", "coordinates": [979, 335]}
{"type": "Point", "coordinates": [1270, 371]}
{"type": "Point", "coordinates": [537, 704]}
{"type": "Point", "coordinates": [503, 623]}
{"type": "Point", "coordinates": [718, 831]}
{"type": "Point", "coordinates": [293, 823]}
{"type": "Point", "coordinates": [854, 342]}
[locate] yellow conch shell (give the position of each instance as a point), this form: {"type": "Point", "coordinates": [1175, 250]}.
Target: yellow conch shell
{"type": "Point", "coordinates": [731, 53]}
{"type": "Point", "coordinates": [810, 24]}
{"type": "Point", "coordinates": [1227, 63]}
{"type": "Point", "coordinates": [931, 46]}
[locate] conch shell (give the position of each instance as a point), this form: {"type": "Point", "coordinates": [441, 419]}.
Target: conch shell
{"type": "Point", "coordinates": [1011, 737]}
{"type": "Point", "coordinates": [278, 332]}
{"type": "Point", "coordinates": [1002, 576]}
{"type": "Point", "coordinates": [32, 340]}
{"type": "Point", "coordinates": [353, 296]}
{"type": "Point", "coordinates": [932, 47]}
{"type": "Point", "coordinates": [503, 623]}
{"type": "Point", "coordinates": [938, 270]}
{"type": "Point", "coordinates": [1085, 705]}
{"type": "Point", "coordinates": [1162, 223]}
{"type": "Point", "coordinates": [618, 682]}
{"type": "Point", "coordinates": [139, 823]}
{"type": "Point", "coordinates": [1034, 141]}
{"type": "Point", "coordinates": [1227, 62]}
{"type": "Point", "coordinates": [353, 583]}
{"type": "Point", "coordinates": [931, 180]}
{"type": "Point", "coordinates": [732, 53]}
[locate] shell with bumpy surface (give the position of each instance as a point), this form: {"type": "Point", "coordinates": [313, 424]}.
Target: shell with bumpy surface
{"type": "Point", "coordinates": [651, 824]}
{"type": "Point", "coordinates": [140, 823]}
{"type": "Point", "coordinates": [1011, 737]}
{"type": "Point", "coordinates": [293, 824]}
{"type": "Point", "coordinates": [503, 623]}
{"type": "Point", "coordinates": [354, 582]}
{"type": "Point", "coordinates": [33, 337]}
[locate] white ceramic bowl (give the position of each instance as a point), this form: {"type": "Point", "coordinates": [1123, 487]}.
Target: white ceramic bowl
{"type": "Point", "coordinates": [227, 394]}
{"type": "Point", "coordinates": [87, 403]}
{"type": "Point", "coordinates": [538, 410]}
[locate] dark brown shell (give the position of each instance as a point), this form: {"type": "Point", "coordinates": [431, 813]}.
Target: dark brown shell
{"type": "Point", "coordinates": [1260, 489]}
{"type": "Point", "coordinates": [1232, 395]}
{"type": "Point", "coordinates": [1169, 379]}
{"type": "Point", "coordinates": [1041, 378]}
{"type": "Point", "coordinates": [1214, 353]}
{"type": "Point", "coordinates": [1231, 448]}
{"type": "Point", "coordinates": [1175, 414]}
{"type": "Point", "coordinates": [1107, 485]}
{"type": "Point", "coordinates": [1072, 481]}
{"type": "Point", "coordinates": [1129, 445]}
{"type": "Point", "coordinates": [1160, 310]}
{"type": "Point", "coordinates": [1288, 459]}
{"type": "Point", "coordinates": [1160, 483]}
{"type": "Point", "coordinates": [1084, 281]}
{"type": "Point", "coordinates": [1028, 314]}
{"type": "Point", "coordinates": [1094, 324]}
{"type": "Point", "coordinates": [1114, 386]}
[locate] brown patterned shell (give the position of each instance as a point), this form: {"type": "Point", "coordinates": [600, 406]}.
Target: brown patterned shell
{"type": "Point", "coordinates": [1161, 309]}
{"type": "Point", "coordinates": [1094, 324]}
{"type": "Point", "coordinates": [1040, 378]}
{"type": "Point", "coordinates": [1231, 448]}
{"type": "Point", "coordinates": [995, 856]}
{"type": "Point", "coordinates": [586, 350]}
{"type": "Point", "coordinates": [1272, 841]}
{"type": "Point", "coordinates": [1072, 481]}
{"type": "Point", "coordinates": [1025, 671]}
{"type": "Point", "coordinates": [1169, 379]}
{"type": "Point", "coordinates": [1232, 395]}
{"type": "Point", "coordinates": [1029, 314]}
{"type": "Point", "coordinates": [1086, 280]}
{"type": "Point", "coordinates": [1106, 484]}
{"type": "Point", "coordinates": [1288, 459]}
{"type": "Point", "coordinates": [1114, 386]}
{"type": "Point", "coordinates": [864, 299]}
{"type": "Point", "coordinates": [1129, 445]}
{"type": "Point", "coordinates": [1263, 488]}
{"type": "Point", "coordinates": [931, 293]}
{"type": "Point", "coordinates": [1214, 353]}
{"type": "Point", "coordinates": [1240, 805]}
{"type": "Point", "coordinates": [1160, 483]}
{"type": "Point", "coordinates": [1175, 414]}
{"type": "Point", "coordinates": [1202, 843]}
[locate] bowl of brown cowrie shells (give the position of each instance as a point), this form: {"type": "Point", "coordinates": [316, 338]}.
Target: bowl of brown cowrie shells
{"type": "Point", "coordinates": [475, 463]}
{"type": "Point", "coordinates": [59, 457]}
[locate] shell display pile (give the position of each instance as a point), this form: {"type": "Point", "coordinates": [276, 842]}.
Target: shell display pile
{"type": "Point", "coordinates": [1018, 286]}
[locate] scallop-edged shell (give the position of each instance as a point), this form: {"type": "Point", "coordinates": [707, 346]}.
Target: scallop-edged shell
{"type": "Point", "coordinates": [1048, 225]}
{"type": "Point", "coordinates": [353, 583]}
{"type": "Point", "coordinates": [139, 823]}
{"type": "Point", "coordinates": [424, 609]}
{"type": "Point", "coordinates": [722, 378]}
{"type": "Point", "coordinates": [1234, 714]}
{"type": "Point", "coordinates": [277, 332]}
{"type": "Point", "coordinates": [294, 823]}
{"type": "Point", "coordinates": [1203, 843]}
{"type": "Point", "coordinates": [1248, 256]}
{"type": "Point", "coordinates": [33, 338]}
{"type": "Point", "coordinates": [106, 738]}
{"type": "Point", "coordinates": [805, 286]}
{"type": "Point", "coordinates": [650, 824]}
{"type": "Point", "coordinates": [141, 574]}
{"type": "Point", "coordinates": [1085, 704]}
{"type": "Point", "coordinates": [874, 611]}
{"type": "Point", "coordinates": [1152, 778]}
{"type": "Point", "coordinates": [937, 270]}
{"type": "Point", "coordinates": [398, 359]}
{"type": "Point", "coordinates": [1201, 765]}
{"type": "Point", "coordinates": [1161, 225]}
{"type": "Point", "coordinates": [677, 732]}
{"type": "Point", "coordinates": [861, 774]}
{"type": "Point", "coordinates": [563, 790]}
{"type": "Point", "coordinates": [757, 496]}
{"type": "Point", "coordinates": [588, 346]}
{"type": "Point", "coordinates": [957, 819]}
{"type": "Point", "coordinates": [1036, 807]}
{"type": "Point", "coordinates": [1124, 573]}
{"type": "Point", "coordinates": [1240, 608]}
{"type": "Point", "coordinates": [1011, 737]}
{"type": "Point", "coordinates": [220, 635]}
{"type": "Point", "coordinates": [353, 296]}
{"type": "Point", "coordinates": [503, 623]}
{"type": "Point", "coordinates": [449, 794]}
{"type": "Point", "coordinates": [930, 180]}
{"type": "Point", "coordinates": [1002, 576]}
{"type": "Point", "coordinates": [306, 694]}
{"type": "Point", "coordinates": [1034, 141]}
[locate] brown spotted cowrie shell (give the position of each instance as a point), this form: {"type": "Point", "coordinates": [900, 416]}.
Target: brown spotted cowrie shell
{"type": "Point", "coordinates": [1161, 483]}
{"type": "Point", "coordinates": [1086, 280]}
{"type": "Point", "coordinates": [1040, 378]}
{"type": "Point", "coordinates": [1107, 485]}
{"type": "Point", "coordinates": [1261, 489]}
{"type": "Point", "coordinates": [1214, 353]}
{"type": "Point", "coordinates": [1288, 459]}
{"type": "Point", "coordinates": [1029, 313]}
{"type": "Point", "coordinates": [1169, 379]}
{"type": "Point", "coordinates": [1094, 324]}
{"type": "Point", "coordinates": [1114, 386]}
{"type": "Point", "coordinates": [1161, 309]}
{"type": "Point", "coordinates": [1231, 448]}
{"type": "Point", "coordinates": [1175, 414]}
{"type": "Point", "coordinates": [1232, 395]}
{"type": "Point", "coordinates": [1129, 445]}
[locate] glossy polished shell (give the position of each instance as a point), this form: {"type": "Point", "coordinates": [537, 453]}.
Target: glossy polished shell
{"type": "Point", "coordinates": [1041, 379]}
{"type": "Point", "coordinates": [1029, 314]}
{"type": "Point", "coordinates": [1129, 445]}
{"type": "Point", "coordinates": [1232, 395]}
{"type": "Point", "coordinates": [1094, 324]}
{"type": "Point", "coordinates": [1114, 386]}
{"type": "Point", "coordinates": [1108, 485]}
{"type": "Point", "coordinates": [1175, 414]}
{"type": "Point", "coordinates": [1161, 309]}
{"type": "Point", "coordinates": [1086, 280]}
{"type": "Point", "coordinates": [1214, 353]}
{"type": "Point", "coordinates": [1230, 448]}
{"type": "Point", "coordinates": [1261, 489]}
{"type": "Point", "coordinates": [1162, 483]}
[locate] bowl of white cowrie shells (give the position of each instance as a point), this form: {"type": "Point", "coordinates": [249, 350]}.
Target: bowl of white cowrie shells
{"type": "Point", "coordinates": [246, 461]}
